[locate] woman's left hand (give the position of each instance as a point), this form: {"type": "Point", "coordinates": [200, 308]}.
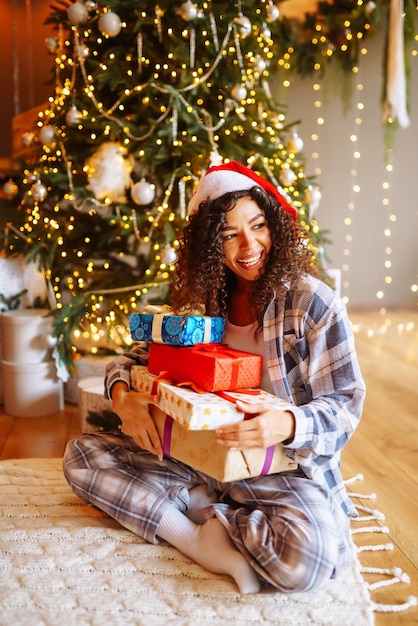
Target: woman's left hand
{"type": "Point", "coordinates": [268, 427]}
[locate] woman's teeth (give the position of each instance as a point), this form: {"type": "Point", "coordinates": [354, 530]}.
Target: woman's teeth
{"type": "Point", "coordinates": [250, 261]}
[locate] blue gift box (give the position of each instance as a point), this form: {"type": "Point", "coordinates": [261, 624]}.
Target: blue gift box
{"type": "Point", "coordinates": [176, 330]}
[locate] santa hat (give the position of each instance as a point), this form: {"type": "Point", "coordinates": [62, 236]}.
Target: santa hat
{"type": "Point", "coordinates": [232, 176]}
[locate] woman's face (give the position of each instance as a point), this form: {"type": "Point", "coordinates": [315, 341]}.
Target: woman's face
{"type": "Point", "coordinates": [246, 240]}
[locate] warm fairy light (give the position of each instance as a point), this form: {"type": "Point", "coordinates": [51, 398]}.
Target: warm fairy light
{"type": "Point", "coordinates": [348, 219]}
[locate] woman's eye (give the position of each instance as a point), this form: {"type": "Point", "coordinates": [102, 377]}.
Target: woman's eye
{"type": "Point", "coordinates": [228, 237]}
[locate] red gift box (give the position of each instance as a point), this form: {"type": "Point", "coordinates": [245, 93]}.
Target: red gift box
{"type": "Point", "coordinates": [211, 367]}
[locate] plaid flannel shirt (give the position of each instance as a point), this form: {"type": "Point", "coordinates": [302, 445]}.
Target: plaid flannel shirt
{"type": "Point", "coordinates": [312, 363]}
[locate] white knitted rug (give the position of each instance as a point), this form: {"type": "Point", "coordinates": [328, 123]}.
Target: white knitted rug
{"type": "Point", "coordinates": [64, 564]}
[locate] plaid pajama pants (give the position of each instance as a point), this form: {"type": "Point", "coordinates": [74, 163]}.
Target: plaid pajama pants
{"type": "Point", "coordinates": [287, 526]}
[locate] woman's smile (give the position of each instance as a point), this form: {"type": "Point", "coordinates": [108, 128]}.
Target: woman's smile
{"type": "Point", "coordinates": [246, 239]}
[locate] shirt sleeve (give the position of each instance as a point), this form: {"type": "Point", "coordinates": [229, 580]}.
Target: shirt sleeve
{"type": "Point", "coordinates": [334, 389]}
{"type": "Point", "coordinates": [120, 368]}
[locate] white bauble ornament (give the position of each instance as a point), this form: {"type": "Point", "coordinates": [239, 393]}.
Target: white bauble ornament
{"type": "Point", "coordinates": [259, 64]}
{"type": "Point", "coordinates": [273, 12]}
{"type": "Point", "coordinates": [47, 135]}
{"type": "Point", "coordinates": [110, 24]}
{"type": "Point", "coordinates": [77, 13]}
{"type": "Point", "coordinates": [287, 176]}
{"type": "Point", "coordinates": [143, 192]}
{"type": "Point", "coordinates": [295, 143]}
{"type": "Point", "coordinates": [82, 51]}
{"type": "Point", "coordinates": [73, 116]}
{"type": "Point", "coordinates": [91, 5]}
{"type": "Point", "coordinates": [243, 25]}
{"type": "Point", "coordinates": [51, 45]}
{"type": "Point", "coordinates": [187, 11]}
{"type": "Point", "coordinates": [370, 7]}
{"type": "Point", "coordinates": [239, 92]}
{"type": "Point", "coordinates": [27, 139]}
{"type": "Point", "coordinates": [39, 191]}
{"type": "Point", "coordinates": [10, 189]}
{"type": "Point", "coordinates": [109, 172]}
{"type": "Point", "coordinates": [168, 255]}
{"type": "Point", "coordinates": [313, 197]}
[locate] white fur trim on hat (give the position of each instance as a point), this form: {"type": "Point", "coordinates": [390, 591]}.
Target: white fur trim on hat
{"type": "Point", "coordinates": [215, 184]}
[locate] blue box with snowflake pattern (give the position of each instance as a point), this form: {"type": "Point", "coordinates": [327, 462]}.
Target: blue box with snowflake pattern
{"type": "Point", "coordinates": [176, 330]}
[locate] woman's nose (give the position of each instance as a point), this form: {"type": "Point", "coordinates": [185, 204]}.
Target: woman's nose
{"type": "Point", "coordinates": [246, 239]}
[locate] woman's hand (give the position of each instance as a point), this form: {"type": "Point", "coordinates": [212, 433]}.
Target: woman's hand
{"type": "Point", "coordinates": [132, 408]}
{"type": "Point", "coordinates": [268, 427]}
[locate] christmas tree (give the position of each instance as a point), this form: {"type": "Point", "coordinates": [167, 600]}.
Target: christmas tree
{"type": "Point", "coordinates": [145, 97]}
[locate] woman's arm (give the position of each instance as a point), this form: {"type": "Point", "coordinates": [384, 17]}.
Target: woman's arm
{"type": "Point", "coordinates": [131, 406]}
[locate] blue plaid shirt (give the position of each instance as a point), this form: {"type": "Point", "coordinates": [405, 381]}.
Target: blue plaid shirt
{"type": "Point", "coordinates": [312, 363]}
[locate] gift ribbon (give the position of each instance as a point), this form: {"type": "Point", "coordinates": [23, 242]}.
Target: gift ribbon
{"type": "Point", "coordinates": [268, 460]}
{"type": "Point", "coordinates": [157, 326]}
{"type": "Point", "coordinates": [168, 428]}
{"type": "Point", "coordinates": [224, 352]}
{"type": "Point", "coordinates": [169, 421]}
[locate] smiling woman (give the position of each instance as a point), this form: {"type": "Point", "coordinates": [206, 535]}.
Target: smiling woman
{"type": "Point", "coordinates": [244, 257]}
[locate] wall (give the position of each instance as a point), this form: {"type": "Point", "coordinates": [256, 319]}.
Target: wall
{"type": "Point", "coordinates": [366, 254]}
{"type": "Point", "coordinates": [25, 66]}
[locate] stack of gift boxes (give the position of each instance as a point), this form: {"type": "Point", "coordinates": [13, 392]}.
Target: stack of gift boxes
{"type": "Point", "coordinates": [198, 381]}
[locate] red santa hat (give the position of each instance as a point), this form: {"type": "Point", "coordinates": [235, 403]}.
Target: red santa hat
{"type": "Point", "coordinates": [233, 176]}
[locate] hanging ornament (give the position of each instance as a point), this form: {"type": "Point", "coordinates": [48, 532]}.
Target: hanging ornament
{"type": "Point", "coordinates": [47, 135]}
{"type": "Point", "coordinates": [51, 45]}
{"type": "Point", "coordinates": [73, 116]}
{"type": "Point", "coordinates": [77, 13]}
{"type": "Point", "coordinates": [82, 51]}
{"type": "Point", "coordinates": [187, 11]}
{"type": "Point", "coordinates": [168, 255]}
{"type": "Point", "coordinates": [27, 139]}
{"type": "Point", "coordinates": [109, 172]}
{"type": "Point", "coordinates": [370, 7]}
{"type": "Point", "coordinates": [91, 5]}
{"type": "Point", "coordinates": [287, 176]}
{"type": "Point", "coordinates": [239, 92]}
{"type": "Point", "coordinates": [259, 64]}
{"type": "Point", "coordinates": [243, 25]}
{"type": "Point", "coordinates": [273, 12]}
{"type": "Point", "coordinates": [295, 143]}
{"type": "Point", "coordinates": [39, 191]}
{"type": "Point", "coordinates": [312, 197]}
{"type": "Point", "coordinates": [110, 24]}
{"type": "Point", "coordinates": [10, 189]}
{"type": "Point", "coordinates": [143, 192]}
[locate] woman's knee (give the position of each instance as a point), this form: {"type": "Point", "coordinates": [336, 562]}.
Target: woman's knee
{"type": "Point", "coordinates": [308, 558]}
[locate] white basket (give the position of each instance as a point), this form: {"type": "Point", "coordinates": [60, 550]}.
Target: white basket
{"type": "Point", "coordinates": [91, 398]}
{"type": "Point", "coordinates": [86, 367]}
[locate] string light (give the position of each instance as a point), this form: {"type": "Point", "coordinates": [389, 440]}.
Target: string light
{"type": "Point", "coordinates": [355, 189]}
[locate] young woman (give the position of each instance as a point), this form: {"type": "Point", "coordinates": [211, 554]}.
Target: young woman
{"type": "Point", "coordinates": [243, 257]}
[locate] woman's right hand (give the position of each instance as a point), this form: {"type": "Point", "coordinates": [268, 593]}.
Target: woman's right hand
{"type": "Point", "coordinates": [132, 408]}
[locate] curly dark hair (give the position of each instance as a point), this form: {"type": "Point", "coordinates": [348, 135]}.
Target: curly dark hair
{"type": "Point", "coordinates": [201, 274]}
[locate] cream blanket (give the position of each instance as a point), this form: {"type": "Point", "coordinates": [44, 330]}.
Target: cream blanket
{"type": "Point", "coordinates": [63, 563]}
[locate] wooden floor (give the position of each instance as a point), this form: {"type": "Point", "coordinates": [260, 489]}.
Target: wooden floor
{"type": "Point", "coordinates": [384, 448]}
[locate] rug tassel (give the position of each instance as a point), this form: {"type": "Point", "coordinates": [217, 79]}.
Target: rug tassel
{"type": "Point", "coordinates": [396, 574]}
{"type": "Point", "coordinates": [354, 479]}
{"type": "Point", "coordinates": [385, 546]}
{"type": "Point", "coordinates": [395, 608]}
{"type": "Point", "coordinates": [371, 529]}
